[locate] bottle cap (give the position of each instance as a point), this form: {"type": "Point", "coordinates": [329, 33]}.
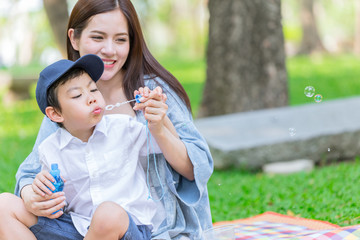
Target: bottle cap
{"type": "Point", "coordinates": [137, 98]}
{"type": "Point", "coordinates": [54, 166]}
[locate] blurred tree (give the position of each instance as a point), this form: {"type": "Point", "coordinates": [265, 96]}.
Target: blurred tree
{"type": "Point", "coordinates": [357, 28]}
{"type": "Point", "coordinates": [311, 41]}
{"type": "Point", "coordinates": [173, 27]}
{"type": "Point", "coordinates": [245, 57]}
{"type": "Point", "coordinates": [57, 12]}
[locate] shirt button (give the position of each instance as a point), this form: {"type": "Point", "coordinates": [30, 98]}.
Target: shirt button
{"type": "Point", "coordinates": [93, 174]}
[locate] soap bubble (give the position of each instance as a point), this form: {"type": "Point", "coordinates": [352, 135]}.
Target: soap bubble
{"type": "Point", "coordinates": [318, 98]}
{"type": "Point", "coordinates": [309, 91]}
{"type": "Point", "coordinates": [292, 132]}
{"type": "Point", "coordinates": [328, 149]}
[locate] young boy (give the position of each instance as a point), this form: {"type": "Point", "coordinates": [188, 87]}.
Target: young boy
{"type": "Point", "coordinates": [105, 188]}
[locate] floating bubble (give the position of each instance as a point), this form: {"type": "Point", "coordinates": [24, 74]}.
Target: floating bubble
{"type": "Point", "coordinates": [309, 91]}
{"type": "Point", "coordinates": [318, 98]}
{"type": "Point", "coordinates": [292, 132]}
{"type": "Point", "coordinates": [328, 149]}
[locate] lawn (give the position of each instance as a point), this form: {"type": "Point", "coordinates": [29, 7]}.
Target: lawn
{"type": "Point", "coordinates": [327, 193]}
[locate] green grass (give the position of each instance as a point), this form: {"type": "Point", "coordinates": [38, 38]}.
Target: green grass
{"type": "Point", "coordinates": [328, 193]}
{"type": "Point", "coordinates": [331, 76]}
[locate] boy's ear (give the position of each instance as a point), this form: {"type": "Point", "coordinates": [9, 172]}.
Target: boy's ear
{"type": "Point", "coordinates": [74, 42]}
{"type": "Point", "coordinates": [54, 115]}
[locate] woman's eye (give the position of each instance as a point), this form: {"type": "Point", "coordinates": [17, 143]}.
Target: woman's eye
{"type": "Point", "coordinates": [94, 90]}
{"type": "Point", "coordinates": [121, 40]}
{"type": "Point", "coordinates": [96, 37]}
{"type": "Point", "coordinates": [77, 96]}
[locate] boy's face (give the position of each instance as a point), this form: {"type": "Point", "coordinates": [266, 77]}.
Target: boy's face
{"type": "Point", "coordinates": [82, 104]}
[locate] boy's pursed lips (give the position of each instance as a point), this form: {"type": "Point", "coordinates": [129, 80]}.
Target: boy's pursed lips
{"type": "Point", "coordinates": [97, 110]}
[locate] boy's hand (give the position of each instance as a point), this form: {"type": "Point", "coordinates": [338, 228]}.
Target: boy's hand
{"type": "Point", "coordinates": [154, 106]}
{"type": "Point", "coordinates": [42, 183]}
{"type": "Point", "coordinates": [147, 94]}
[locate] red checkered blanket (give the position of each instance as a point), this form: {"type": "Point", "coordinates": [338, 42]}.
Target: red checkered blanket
{"type": "Point", "coordinates": [272, 225]}
{"type": "Point", "coordinates": [269, 230]}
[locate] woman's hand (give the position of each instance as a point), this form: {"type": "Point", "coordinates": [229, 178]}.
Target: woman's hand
{"type": "Point", "coordinates": [43, 205]}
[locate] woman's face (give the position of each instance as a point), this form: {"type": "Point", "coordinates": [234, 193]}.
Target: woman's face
{"type": "Point", "coordinates": [107, 36]}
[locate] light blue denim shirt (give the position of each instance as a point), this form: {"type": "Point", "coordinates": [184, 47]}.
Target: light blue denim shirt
{"type": "Point", "coordinates": [186, 202]}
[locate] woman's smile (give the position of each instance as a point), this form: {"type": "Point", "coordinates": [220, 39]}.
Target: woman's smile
{"type": "Point", "coordinates": [109, 63]}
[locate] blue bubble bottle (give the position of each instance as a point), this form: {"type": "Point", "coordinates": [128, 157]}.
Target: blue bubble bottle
{"type": "Point", "coordinates": [59, 183]}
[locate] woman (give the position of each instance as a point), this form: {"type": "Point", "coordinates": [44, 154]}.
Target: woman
{"type": "Point", "coordinates": [111, 30]}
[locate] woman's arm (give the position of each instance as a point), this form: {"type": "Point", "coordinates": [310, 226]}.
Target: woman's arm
{"type": "Point", "coordinates": [36, 204]}
{"type": "Point", "coordinates": [31, 165]}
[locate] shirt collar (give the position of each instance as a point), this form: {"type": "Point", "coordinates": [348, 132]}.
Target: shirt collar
{"type": "Point", "coordinates": [66, 137]}
{"type": "Point", "coordinates": [101, 127]}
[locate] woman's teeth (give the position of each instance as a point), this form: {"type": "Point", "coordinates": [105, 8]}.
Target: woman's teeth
{"type": "Point", "coordinates": [108, 62]}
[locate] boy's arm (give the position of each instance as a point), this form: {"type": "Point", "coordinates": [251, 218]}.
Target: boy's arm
{"type": "Point", "coordinates": [168, 124]}
{"type": "Point", "coordinates": [164, 132]}
{"type": "Point", "coordinates": [172, 147]}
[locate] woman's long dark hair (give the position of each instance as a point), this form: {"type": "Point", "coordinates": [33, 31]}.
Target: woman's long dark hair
{"type": "Point", "coordinates": [140, 61]}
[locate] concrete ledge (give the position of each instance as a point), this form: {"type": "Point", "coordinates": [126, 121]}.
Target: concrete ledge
{"type": "Point", "coordinates": [300, 165]}
{"type": "Point", "coordinates": [326, 131]}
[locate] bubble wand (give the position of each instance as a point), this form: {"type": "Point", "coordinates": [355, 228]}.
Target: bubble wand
{"type": "Point", "coordinates": [111, 107]}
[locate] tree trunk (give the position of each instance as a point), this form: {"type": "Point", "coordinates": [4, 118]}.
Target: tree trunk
{"type": "Point", "coordinates": [245, 57]}
{"type": "Point", "coordinates": [311, 41]}
{"type": "Point", "coordinates": [57, 12]}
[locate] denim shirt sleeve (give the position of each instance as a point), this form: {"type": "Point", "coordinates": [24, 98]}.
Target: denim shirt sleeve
{"type": "Point", "coordinates": [189, 192]}
{"type": "Point", "coordinates": [31, 165]}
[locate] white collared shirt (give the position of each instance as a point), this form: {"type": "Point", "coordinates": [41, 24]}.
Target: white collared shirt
{"type": "Point", "coordinates": [106, 168]}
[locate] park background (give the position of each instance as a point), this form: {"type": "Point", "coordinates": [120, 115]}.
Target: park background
{"type": "Point", "coordinates": [177, 33]}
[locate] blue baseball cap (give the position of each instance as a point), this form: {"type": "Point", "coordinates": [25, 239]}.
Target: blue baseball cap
{"type": "Point", "coordinates": [91, 63]}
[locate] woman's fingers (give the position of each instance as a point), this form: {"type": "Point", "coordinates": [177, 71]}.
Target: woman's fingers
{"type": "Point", "coordinates": [49, 204]}
{"type": "Point", "coordinates": [43, 206]}
{"type": "Point", "coordinates": [53, 205]}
